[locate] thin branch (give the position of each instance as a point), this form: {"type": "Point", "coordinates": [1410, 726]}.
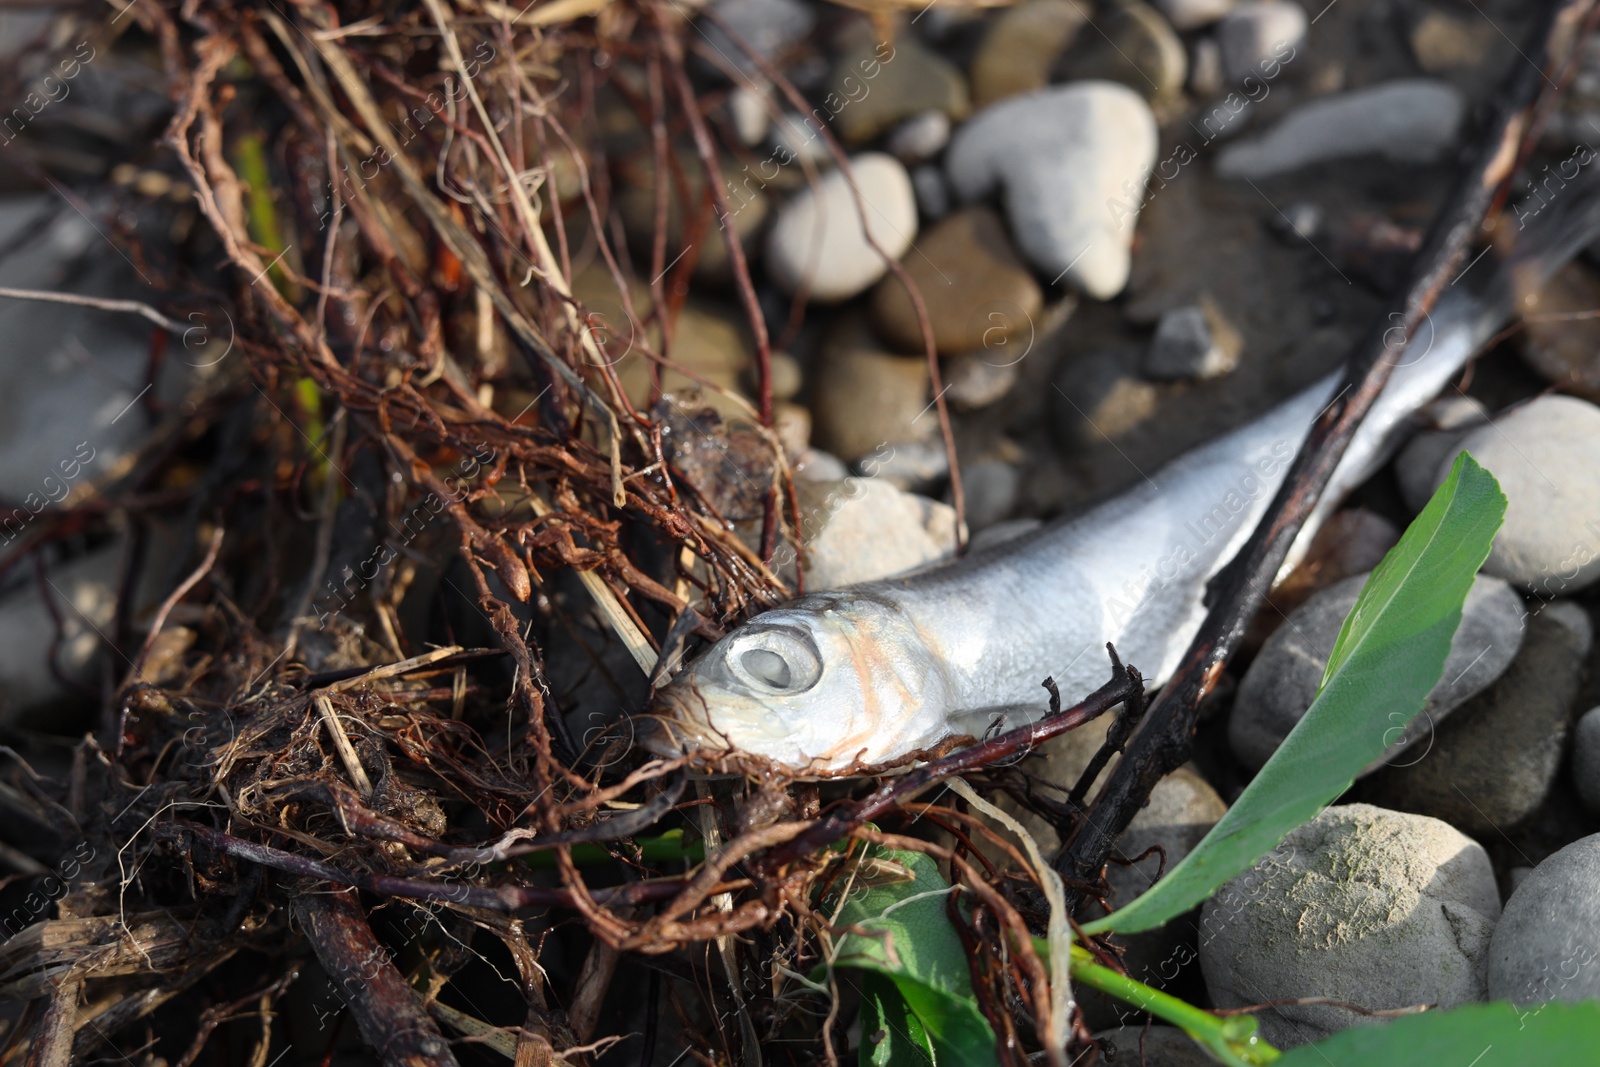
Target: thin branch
{"type": "Point", "coordinates": [135, 307]}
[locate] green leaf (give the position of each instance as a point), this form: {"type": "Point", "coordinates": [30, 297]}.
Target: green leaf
{"type": "Point", "coordinates": [1476, 1035]}
{"type": "Point", "coordinates": [1388, 657]}
{"type": "Point", "coordinates": [908, 938]}
{"type": "Point", "coordinates": [891, 1033]}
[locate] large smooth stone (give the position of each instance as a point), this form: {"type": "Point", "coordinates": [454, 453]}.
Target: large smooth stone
{"type": "Point", "coordinates": [1444, 423]}
{"type": "Point", "coordinates": [1547, 945]}
{"type": "Point", "coordinates": [1413, 120]}
{"type": "Point", "coordinates": [1280, 685]}
{"type": "Point", "coordinates": [1492, 763]}
{"type": "Point", "coordinates": [1060, 156]}
{"type": "Point", "coordinates": [1544, 454]}
{"type": "Point", "coordinates": [818, 241]}
{"type": "Point", "coordinates": [1374, 907]}
{"type": "Point", "coordinates": [976, 290]}
{"type": "Point", "coordinates": [863, 529]}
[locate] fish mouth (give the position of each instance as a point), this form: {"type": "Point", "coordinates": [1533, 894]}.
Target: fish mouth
{"type": "Point", "coordinates": [677, 723]}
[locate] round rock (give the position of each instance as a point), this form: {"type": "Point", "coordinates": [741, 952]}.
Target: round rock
{"type": "Point", "coordinates": [1545, 454]}
{"type": "Point", "coordinates": [818, 240]}
{"type": "Point", "coordinates": [863, 529]}
{"type": "Point", "coordinates": [1586, 759]}
{"type": "Point", "coordinates": [1375, 907]}
{"type": "Point", "coordinates": [1445, 422]}
{"type": "Point", "coordinates": [1545, 946]}
{"type": "Point", "coordinates": [1412, 120]}
{"type": "Point", "coordinates": [1021, 46]}
{"type": "Point", "coordinates": [1186, 15]}
{"type": "Point", "coordinates": [920, 137]}
{"type": "Point", "coordinates": [1279, 686]}
{"type": "Point", "coordinates": [975, 381]}
{"type": "Point", "coordinates": [1134, 45]}
{"type": "Point", "coordinates": [976, 291]}
{"type": "Point", "coordinates": [1152, 1046]}
{"type": "Point", "coordinates": [875, 86]}
{"type": "Point", "coordinates": [867, 400]}
{"type": "Point", "coordinates": [1192, 342]}
{"type": "Point", "coordinates": [1072, 162]}
{"type": "Point", "coordinates": [1258, 33]}
{"type": "Point", "coordinates": [1493, 762]}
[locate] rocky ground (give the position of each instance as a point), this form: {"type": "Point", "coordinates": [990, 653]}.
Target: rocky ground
{"type": "Point", "coordinates": [1130, 228]}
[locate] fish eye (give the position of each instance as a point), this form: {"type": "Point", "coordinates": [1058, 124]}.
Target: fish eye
{"type": "Point", "coordinates": [775, 660]}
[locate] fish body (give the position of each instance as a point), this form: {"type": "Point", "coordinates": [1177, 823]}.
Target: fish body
{"type": "Point", "coordinates": [870, 674]}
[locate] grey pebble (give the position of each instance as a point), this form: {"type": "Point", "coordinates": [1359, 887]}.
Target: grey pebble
{"type": "Point", "coordinates": [1160, 1046]}
{"type": "Point", "coordinates": [1376, 907]}
{"type": "Point", "coordinates": [933, 195]}
{"type": "Point", "coordinates": [1547, 945]}
{"type": "Point", "coordinates": [1255, 34]}
{"type": "Point", "coordinates": [1544, 454]}
{"type": "Point", "coordinates": [1492, 762]}
{"type": "Point", "coordinates": [1586, 759]}
{"type": "Point", "coordinates": [818, 240]}
{"type": "Point", "coordinates": [975, 381]}
{"type": "Point", "coordinates": [1446, 421]}
{"type": "Point", "coordinates": [920, 137]}
{"type": "Point", "coordinates": [863, 529]}
{"type": "Point", "coordinates": [991, 487]}
{"type": "Point", "coordinates": [1186, 346]}
{"type": "Point", "coordinates": [1411, 120]}
{"type": "Point", "coordinates": [1279, 686]}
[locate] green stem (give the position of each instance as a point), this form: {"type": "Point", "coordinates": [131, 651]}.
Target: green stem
{"type": "Point", "coordinates": [1232, 1040]}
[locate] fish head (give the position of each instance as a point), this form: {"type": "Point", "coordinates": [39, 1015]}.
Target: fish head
{"type": "Point", "coordinates": [822, 684]}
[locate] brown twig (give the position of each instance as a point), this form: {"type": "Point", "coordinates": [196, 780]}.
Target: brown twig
{"type": "Point", "coordinates": [391, 1019]}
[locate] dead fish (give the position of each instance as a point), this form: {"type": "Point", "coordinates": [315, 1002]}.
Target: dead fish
{"type": "Point", "coordinates": [874, 673]}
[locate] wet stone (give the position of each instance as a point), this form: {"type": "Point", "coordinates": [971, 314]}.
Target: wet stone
{"type": "Point", "coordinates": [976, 290]}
